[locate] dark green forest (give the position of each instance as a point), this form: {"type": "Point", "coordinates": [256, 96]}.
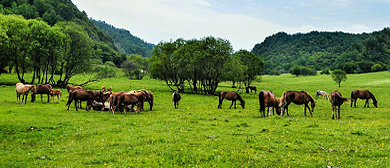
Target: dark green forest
{"type": "Point", "coordinates": [353, 53]}
{"type": "Point", "coordinates": [125, 41]}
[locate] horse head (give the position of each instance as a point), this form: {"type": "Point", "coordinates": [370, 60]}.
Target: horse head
{"type": "Point", "coordinates": [243, 104]}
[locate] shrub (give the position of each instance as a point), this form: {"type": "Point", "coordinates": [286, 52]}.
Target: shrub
{"type": "Point", "coordinates": [377, 67]}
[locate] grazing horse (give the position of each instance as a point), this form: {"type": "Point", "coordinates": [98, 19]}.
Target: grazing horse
{"type": "Point", "coordinates": [22, 89]}
{"type": "Point", "coordinates": [125, 99]}
{"type": "Point", "coordinates": [336, 99]}
{"type": "Point", "coordinates": [323, 94]}
{"type": "Point", "coordinates": [229, 95]}
{"type": "Point", "coordinates": [268, 99]}
{"type": "Point", "coordinates": [298, 98]}
{"type": "Point", "coordinates": [83, 95]}
{"type": "Point", "coordinates": [141, 99]}
{"type": "Point", "coordinates": [176, 98]}
{"type": "Point", "coordinates": [42, 89]}
{"type": "Point", "coordinates": [252, 88]}
{"type": "Point", "coordinates": [149, 97]}
{"type": "Point", "coordinates": [57, 93]}
{"type": "Point", "coordinates": [363, 94]}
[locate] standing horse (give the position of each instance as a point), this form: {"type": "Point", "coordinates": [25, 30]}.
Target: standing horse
{"type": "Point", "coordinates": [268, 99]}
{"type": "Point", "coordinates": [229, 95]}
{"type": "Point", "coordinates": [42, 89]}
{"type": "Point", "coordinates": [297, 98]}
{"type": "Point", "coordinates": [176, 98]}
{"type": "Point", "coordinates": [125, 99]}
{"type": "Point", "coordinates": [252, 88]}
{"type": "Point", "coordinates": [57, 93]}
{"type": "Point", "coordinates": [82, 95]}
{"type": "Point", "coordinates": [363, 94]}
{"type": "Point", "coordinates": [322, 93]}
{"type": "Point", "coordinates": [336, 99]}
{"type": "Point", "coordinates": [149, 98]}
{"type": "Point", "coordinates": [70, 89]}
{"type": "Point", "coordinates": [22, 89]}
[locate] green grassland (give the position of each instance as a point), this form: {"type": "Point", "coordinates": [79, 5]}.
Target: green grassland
{"type": "Point", "coordinates": [197, 134]}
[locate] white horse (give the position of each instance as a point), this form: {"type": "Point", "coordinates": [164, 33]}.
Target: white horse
{"type": "Point", "coordinates": [323, 94]}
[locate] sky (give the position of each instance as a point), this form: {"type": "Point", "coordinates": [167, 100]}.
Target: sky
{"type": "Point", "coordinates": [243, 22]}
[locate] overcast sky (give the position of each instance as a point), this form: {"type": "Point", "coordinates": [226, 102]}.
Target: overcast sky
{"type": "Point", "coordinates": [243, 22]}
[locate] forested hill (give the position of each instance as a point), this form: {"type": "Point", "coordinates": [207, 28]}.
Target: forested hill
{"type": "Point", "coordinates": [354, 53]}
{"type": "Point", "coordinates": [125, 41]}
{"type": "Point", "coordinates": [53, 11]}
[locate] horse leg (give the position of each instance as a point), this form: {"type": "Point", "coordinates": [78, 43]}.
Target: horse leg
{"type": "Point", "coordinates": [288, 115]}
{"type": "Point", "coordinates": [339, 112]}
{"type": "Point", "coordinates": [367, 103]}
{"type": "Point", "coordinates": [355, 102]}
{"type": "Point", "coordinates": [48, 97]}
{"type": "Point", "coordinates": [58, 99]}
{"type": "Point", "coordinates": [231, 104]}
{"type": "Point", "coordinates": [220, 103]}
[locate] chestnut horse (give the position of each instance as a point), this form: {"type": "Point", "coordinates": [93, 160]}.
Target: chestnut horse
{"type": "Point", "coordinates": [268, 99]}
{"type": "Point", "coordinates": [83, 95]}
{"type": "Point", "coordinates": [176, 98]}
{"type": "Point", "coordinates": [57, 93]}
{"type": "Point", "coordinates": [363, 94]}
{"type": "Point", "coordinates": [22, 89]}
{"type": "Point", "coordinates": [336, 99]}
{"type": "Point", "coordinates": [149, 97]}
{"type": "Point", "coordinates": [297, 98]}
{"type": "Point", "coordinates": [42, 89]}
{"type": "Point", "coordinates": [125, 99]}
{"type": "Point", "coordinates": [229, 95]}
{"type": "Point", "coordinates": [70, 89]}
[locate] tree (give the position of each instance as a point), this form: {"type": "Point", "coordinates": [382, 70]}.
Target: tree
{"type": "Point", "coordinates": [254, 65]}
{"type": "Point", "coordinates": [129, 67]}
{"type": "Point", "coordinates": [338, 76]}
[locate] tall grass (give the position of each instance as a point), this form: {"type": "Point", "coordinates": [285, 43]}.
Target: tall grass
{"type": "Point", "coordinates": [198, 134]}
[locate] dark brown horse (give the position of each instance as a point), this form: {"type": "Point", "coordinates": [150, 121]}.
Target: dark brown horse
{"type": "Point", "coordinates": [252, 88]}
{"type": "Point", "coordinates": [176, 98]}
{"type": "Point", "coordinates": [70, 89]}
{"type": "Point", "coordinates": [42, 89]}
{"type": "Point", "coordinates": [83, 95]}
{"type": "Point", "coordinates": [268, 99]}
{"type": "Point", "coordinates": [22, 89]}
{"type": "Point", "coordinates": [232, 96]}
{"type": "Point", "coordinates": [336, 99]}
{"type": "Point", "coordinates": [297, 98]}
{"type": "Point", "coordinates": [363, 94]}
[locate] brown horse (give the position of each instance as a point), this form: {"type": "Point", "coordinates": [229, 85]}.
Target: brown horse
{"type": "Point", "coordinates": [268, 99]}
{"type": "Point", "coordinates": [70, 89]}
{"type": "Point", "coordinates": [125, 99]}
{"type": "Point", "coordinates": [252, 88]}
{"type": "Point", "coordinates": [57, 93]}
{"type": "Point", "coordinates": [83, 95]}
{"type": "Point", "coordinates": [363, 94]}
{"type": "Point", "coordinates": [336, 99]}
{"type": "Point", "coordinates": [232, 96]}
{"type": "Point", "coordinates": [42, 89]}
{"type": "Point", "coordinates": [22, 89]}
{"type": "Point", "coordinates": [149, 97]}
{"type": "Point", "coordinates": [112, 99]}
{"type": "Point", "coordinates": [298, 98]}
{"type": "Point", "coordinates": [176, 98]}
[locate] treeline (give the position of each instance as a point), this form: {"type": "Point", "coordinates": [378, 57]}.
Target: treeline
{"type": "Point", "coordinates": [54, 11]}
{"type": "Point", "coordinates": [52, 53]}
{"type": "Point", "coordinates": [353, 53]}
{"type": "Point", "coordinates": [202, 64]}
{"type": "Point", "coordinates": [125, 41]}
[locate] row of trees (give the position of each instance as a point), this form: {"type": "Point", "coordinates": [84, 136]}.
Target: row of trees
{"type": "Point", "coordinates": [203, 64]}
{"type": "Point", "coordinates": [34, 46]}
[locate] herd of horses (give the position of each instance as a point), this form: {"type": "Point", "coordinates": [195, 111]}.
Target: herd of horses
{"type": "Point", "coordinates": [124, 101]}
{"type": "Point", "coordinates": [268, 99]}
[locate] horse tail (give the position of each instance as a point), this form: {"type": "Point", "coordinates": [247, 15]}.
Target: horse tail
{"type": "Point", "coordinates": [261, 100]}
{"type": "Point", "coordinates": [283, 99]}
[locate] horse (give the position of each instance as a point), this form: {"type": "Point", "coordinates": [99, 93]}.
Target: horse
{"type": "Point", "coordinates": [323, 94]}
{"type": "Point", "coordinates": [83, 95]}
{"type": "Point", "coordinates": [112, 99]}
{"type": "Point", "coordinates": [252, 88]}
{"type": "Point", "coordinates": [57, 93]}
{"type": "Point", "coordinates": [268, 99]}
{"type": "Point", "coordinates": [298, 98]}
{"type": "Point", "coordinates": [70, 89]}
{"type": "Point", "coordinates": [336, 99]}
{"type": "Point", "coordinates": [22, 89]}
{"type": "Point", "coordinates": [176, 98]}
{"type": "Point", "coordinates": [149, 97]}
{"type": "Point", "coordinates": [42, 89]}
{"type": "Point", "coordinates": [363, 94]}
{"type": "Point", "coordinates": [101, 99]}
{"type": "Point", "coordinates": [141, 99]}
{"type": "Point", "coordinates": [229, 95]}
{"type": "Point", "coordinates": [125, 99]}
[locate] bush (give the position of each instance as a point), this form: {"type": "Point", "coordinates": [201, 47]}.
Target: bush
{"type": "Point", "coordinates": [377, 67]}
{"type": "Point", "coordinates": [325, 71]}
{"type": "Point", "coordinates": [106, 71]}
{"type": "Point", "coordinates": [302, 70]}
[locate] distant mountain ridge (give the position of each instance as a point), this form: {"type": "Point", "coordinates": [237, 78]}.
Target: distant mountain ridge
{"type": "Point", "coordinates": [124, 40]}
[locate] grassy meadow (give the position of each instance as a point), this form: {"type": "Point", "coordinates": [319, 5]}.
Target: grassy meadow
{"type": "Point", "coordinates": [197, 134]}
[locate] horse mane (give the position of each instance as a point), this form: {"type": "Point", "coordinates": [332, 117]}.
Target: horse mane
{"type": "Point", "coordinates": [372, 96]}
{"type": "Point", "coordinates": [283, 99]}
{"type": "Point", "coordinates": [307, 93]}
{"type": "Point", "coordinates": [240, 99]}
